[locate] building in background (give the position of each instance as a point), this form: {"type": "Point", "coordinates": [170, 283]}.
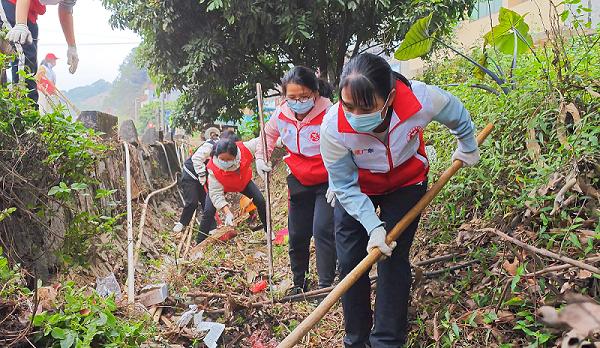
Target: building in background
{"type": "Point", "coordinates": [469, 33]}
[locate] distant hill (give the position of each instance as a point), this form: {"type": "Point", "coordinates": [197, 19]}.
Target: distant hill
{"type": "Point", "coordinates": [118, 98]}
{"type": "Point", "coordinates": [90, 97]}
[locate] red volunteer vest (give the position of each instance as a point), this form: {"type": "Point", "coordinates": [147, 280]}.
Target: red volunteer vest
{"type": "Point", "coordinates": [237, 180]}
{"type": "Point", "coordinates": [303, 147]}
{"type": "Point", "coordinates": [35, 9]}
{"type": "Point", "coordinates": [381, 167]}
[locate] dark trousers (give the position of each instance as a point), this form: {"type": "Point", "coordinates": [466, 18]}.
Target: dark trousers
{"type": "Point", "coordinates": [29, 50]}
{"type": "Point", "coordinates": [193, 193]}
{"type": "Point", "coordinates": [251, 191]}
{"type": "Point", "coordinates": [310, 216]}
{"type": "Point", "coordinates": [394, 273]}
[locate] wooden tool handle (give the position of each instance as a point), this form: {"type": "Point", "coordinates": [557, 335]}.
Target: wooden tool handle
{"type": "Point", "coordinates": [374, 255]}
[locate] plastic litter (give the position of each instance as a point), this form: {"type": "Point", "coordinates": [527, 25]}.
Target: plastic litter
{"type": "Point", "coordinates": [281, 237]}
{"type": "Point", "coordinates": [258, 286]}
{"type": "Point", "coordinates": [108, 285]}
{"type": "Point", "coordinates": [214, 330]}
{"type": "Point", "coordinates": [187, 316]}
{"type": "Point", "coordinates": [228, 235]}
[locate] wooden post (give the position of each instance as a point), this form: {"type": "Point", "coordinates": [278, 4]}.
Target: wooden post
{"type": "Point", "coordinates": [269, 224]}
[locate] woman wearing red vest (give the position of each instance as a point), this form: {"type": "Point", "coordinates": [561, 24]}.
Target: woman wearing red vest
{"type": "Point", "coordinates": [298, 122]}
{"type": "Point", "coordinates": [230, 170]}
{"type": "Point", "coordinates": [373, 149]}
{"type": "Point", "coordinates": [22, 16]}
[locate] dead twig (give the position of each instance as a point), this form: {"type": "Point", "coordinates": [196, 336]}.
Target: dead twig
{"type": "Point", "coordinates": [543, 252]}
{"type": "Point", "coordinates": [557, 268]}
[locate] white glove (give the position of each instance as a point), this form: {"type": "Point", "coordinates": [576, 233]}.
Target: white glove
{"type": "Point", "coordinates": [330, 197]}
{"type": "Point", "coordinates": [279, 143]}
{"type": "Point", "coordinates": [20, 34]}
{"type": "Point", "coordinates": [229, 219]}
{"type": "Point", "coordinates": [262, 168]}
{"type": "Point", "coordinates": [468, 158]}
{"type": "Point", "coordinates": [72, 59]}
{"type": "Point", "coordinates": [377, 240]}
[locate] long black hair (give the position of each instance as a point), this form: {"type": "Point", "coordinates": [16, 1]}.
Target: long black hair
{"type": "Point", "coordinates": [368, 76]}
{"type": "Point", "coordinates": [306, 77]}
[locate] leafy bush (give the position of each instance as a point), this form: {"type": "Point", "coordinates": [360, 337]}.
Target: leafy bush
{"type": "Point", "coordinates": [499, 187]}
{"type": "Point", "coordinates": [45, 164]}
{"type": "Point", "coordinates": [87, 320]}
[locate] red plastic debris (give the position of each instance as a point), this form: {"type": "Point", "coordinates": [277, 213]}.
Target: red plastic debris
{"type": "Point", "coordinates": [258, 286]}
{"type": "Point", "coordinates": [228, 235]}
{"type": "Point", "coordinates": [280, 237]}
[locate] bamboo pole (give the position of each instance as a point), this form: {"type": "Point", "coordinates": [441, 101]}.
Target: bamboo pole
{"type": "Point", "coordinates": [374, 255]}
{"type": "Point", "coordinates": [269, 223]}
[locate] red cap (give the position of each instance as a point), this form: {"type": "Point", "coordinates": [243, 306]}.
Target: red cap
{"type": "Point", "coordinates": [51, 56]}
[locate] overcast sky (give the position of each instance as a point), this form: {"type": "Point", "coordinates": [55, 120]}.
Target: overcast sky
{"type": "Point", "coordinates": [101, 49]}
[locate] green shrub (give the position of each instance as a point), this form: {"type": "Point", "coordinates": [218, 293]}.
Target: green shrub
{"type": "Point", "coordinates": [87, 320]}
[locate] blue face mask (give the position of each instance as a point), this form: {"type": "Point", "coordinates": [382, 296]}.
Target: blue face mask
{"type": "Point", "coordinates": [225, 165]}
{"type": "Point", "coordinates": [301, 107]}
{"type": "Point", "coordinates": [366, 122]}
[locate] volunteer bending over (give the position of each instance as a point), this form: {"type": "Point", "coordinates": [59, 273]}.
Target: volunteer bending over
{"type": "Point", "coordinates": [372, 145]}
{"type": "Point", "coordinates": [298, 121]}
{"type": "Point", "coordinates": [194, 177]}
{"type": "Point", "coordinates": [230, 170]}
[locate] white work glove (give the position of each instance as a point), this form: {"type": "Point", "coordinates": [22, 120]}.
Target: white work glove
{"type": "Point", "coordinates": [262, 168]}
{"type": "Point", "coordinates": [229, 219]}
{"type": "Point", "coordinates": [279, 143]}
{"type": "Point", "coordinates": [20, 34]}
{"type": "Point", "coordinates": [330, 197]}
{"type": "Point", "coordinates": [468, 158]}
{"type": "Point", "coordinates": [72, 59]}
{"type": "Point", "coordinates": [377, 240]}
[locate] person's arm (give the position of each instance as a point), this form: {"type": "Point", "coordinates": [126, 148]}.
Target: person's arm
{"type": "Point", "coordinates": [41, 73]}
{"type": "Point", "coordinates": [271, 133]}
{"type": "Point", "coordinates": [343, 181]}
{"type": "Point", "coordinates": [198, 159]}
{"type": "Point", "coordinates": [21, 11]}
{"type": "Point", "coordinates": [449, 111]}
{"type": "Point", "coordinates": [65, 16]}
{"type": "Point", "coordinates": [216, 192]}
{"type": "Point", "coordinates": [252, 145]}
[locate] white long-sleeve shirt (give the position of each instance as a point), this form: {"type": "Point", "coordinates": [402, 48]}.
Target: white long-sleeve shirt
{"type": "Point", "coordinates": [216, 190]}
{"type": "Point", "coordinates": [437, 105]}
{"type": "Point", "coordinates": [200, 156]}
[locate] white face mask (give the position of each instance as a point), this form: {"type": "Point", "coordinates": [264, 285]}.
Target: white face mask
{"type": "Point", "coordinates": [227, 165]}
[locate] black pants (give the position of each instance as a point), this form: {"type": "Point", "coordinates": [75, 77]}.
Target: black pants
{"type": "Point", "coordinates": [394, 274]}
{"type": "Point", "coordinates": [29, 51]}
{"type": "Point", "coordinates": [251, 191]}
{"type": "Point", "coordinates": [310, 216]}
{"type": "Point", "coordinates": [193, 193]}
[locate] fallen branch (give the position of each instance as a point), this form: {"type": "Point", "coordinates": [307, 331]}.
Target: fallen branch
{"type": "Point", "coordinates": [543, 252]}
{"type": "Point", "coordinates": [560, 196]}
{"type": "Point", "coordinates": [558, 267]}
{"type": "Point", "coordinates": [320, 293]}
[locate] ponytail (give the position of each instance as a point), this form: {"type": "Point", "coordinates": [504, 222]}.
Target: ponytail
{"type": "Point", "coordinates": [306, 77]}
{"type": "Point", "coordinates": [325, 89]}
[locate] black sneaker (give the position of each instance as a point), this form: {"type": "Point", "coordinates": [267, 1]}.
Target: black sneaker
{"type": "Point", "coordinates": [296, 290]}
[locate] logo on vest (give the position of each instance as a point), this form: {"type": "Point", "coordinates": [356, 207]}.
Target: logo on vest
{"type": "Point", "coordinates": [413, 132]}
{"type": "Point", "coordinates": [362, 151]}
{"type": "Point", "coordinates": [314, 137]}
